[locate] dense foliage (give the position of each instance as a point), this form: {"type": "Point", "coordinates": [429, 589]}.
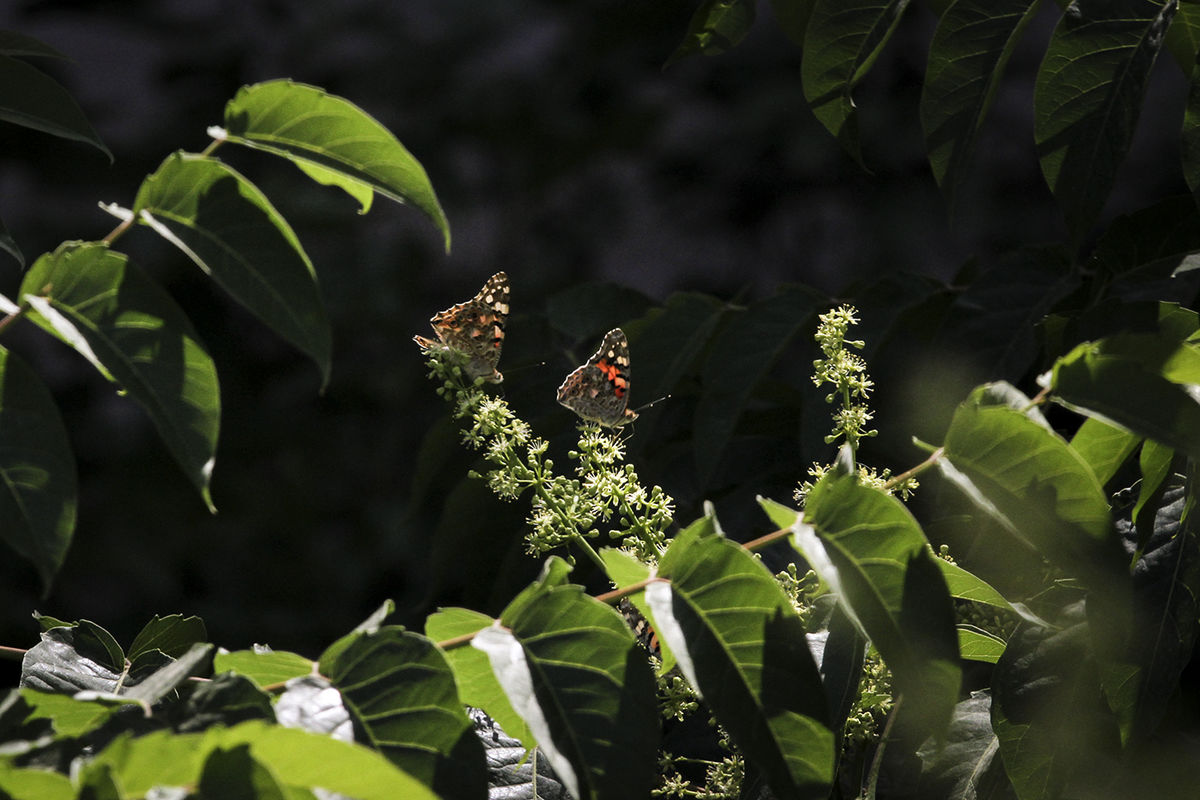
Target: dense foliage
{"type": "Point", "coordinates": [1044, 650]}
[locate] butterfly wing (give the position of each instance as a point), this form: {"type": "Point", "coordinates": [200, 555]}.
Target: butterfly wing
{"type": "Point", "coordinates": [599, 390]}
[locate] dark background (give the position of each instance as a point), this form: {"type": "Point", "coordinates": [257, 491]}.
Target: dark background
{"type": "Point", "coordinates": [563, 153]}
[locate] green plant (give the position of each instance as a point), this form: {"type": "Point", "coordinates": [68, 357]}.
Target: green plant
{"type": "Point", "coordinates": [1057, 665]}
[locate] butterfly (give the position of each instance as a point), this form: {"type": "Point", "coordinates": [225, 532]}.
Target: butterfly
{"type": "Point", "coordinates": [476, 328]}
{"type": "Point", "coordinates": [598, 391]}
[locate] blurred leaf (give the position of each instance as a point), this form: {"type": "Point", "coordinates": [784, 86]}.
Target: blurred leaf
{"type": "Point", "coordinates": [30, 98]}
{"type": "Point", "coordinates": [401, 696]}
{"type": "Point", "coordinates": [232, 232]}
{"type": "Point", "coordinates": [741, 354]}
{"type": "Point", "coordinates": [477, 684]}
{"type": "Point", "coordinates": [572, 669]}
{"type": "Point", "coordinates": [1096, 379]}
{"type": "Point", "coordinates": [172, 634]}
{"type": "Point", "coordinates": [314, 129]}
{"type": "Point", "coordinates": [967, 763]}
{"type": "Point", "coordinates": [233, 774]}
{"type": "Point", "coordinates": [1104, 447]}
{"type": "Point", "coordinates": [1155, 462]}
{"type": "Point", "coordinates": [1046, 711]}
{"type": "Point", "coordinates": [1039, 487]}
{"type": "Point", "coordinates": [131, 330]}
{"type": "Point", "coordinates": [669, 340]}
{"type": "Point", "coordinates": [37, 508]}
{"type": "Point", "coordinates": [265, 667]}
{"type": "Point", "coordinates": [69, 716]}
{"type": "Point", "coordinates": [717, 26]}
{"type": "Point", "coordinates": [1088, 96]}
{"type": "Point", "coordinates": [1167, 589]}
{"type": "Point", "coordinates": [301, 760]}
{"type": "Point", "coordinates": [967, 57]}
{"type": "Point", "coordinates": [44, 785]}
{"type": "Point", "coordinates": [841, 42]}
{"type": "Point", "coordinates": [866, 546]}
{"type": "Point", "coordinates": [750, 660]}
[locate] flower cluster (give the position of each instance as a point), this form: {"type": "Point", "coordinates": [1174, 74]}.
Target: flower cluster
{"type": "Point", "coordinates": [563, 510]}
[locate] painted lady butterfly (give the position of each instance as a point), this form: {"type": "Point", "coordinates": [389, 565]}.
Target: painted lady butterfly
{"type": "Point", "coordinates": [598, 390]}
{"type": "Point", "coordinates": [476, 328]}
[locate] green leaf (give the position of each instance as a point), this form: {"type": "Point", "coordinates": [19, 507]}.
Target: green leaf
{"type": "Point", "coordinates": [671, 339]}
{"type": "Point", "coordinates": [402, 699]}
{"type": "Point", "coordinates": [323, 131]}
{"type": "Point", "coordinates": [233, 774]}
{"type": "Point", "coordinates": [624, 570]}
{"type": "Point", "coordinates": [477, 684]}
{"type": "Point", "coordinates": [723, 613]}
{"type": "Point", "coordinates": [873, 555]}
{"type": "Point", "coordinates": [299, 759]}
{"type": "Point", "coordinates": [173, 635]}
{"type": "Point", "coordinates": [1104, 447]}
{"type": "Point", "coordinates": [1088, 97]}
{"type": "Point", "coordinates": [573, 671]}
{"type": "Point", "coordinates": [732, 370]}
{"type": "Point", "coordinates": [979, 645]}
{"type": "Point", "coordinates": [228, 227]}
{"type": "Point", "coordinates": [717, 26]}
{"type": "Point", "coordinates": [40, 783]}
{"type": "Point", "coordinates": [841, 42]}
{"type": "Point", "coordinates": [30, 98]}
{"type": "Point", "coordinates": [965, 586]}
{"type": "Point", "coordinates": [69, 716]}
{"type": "Point", "coordinates": [967, 57]}
{"type": "Point", "coordinates": [265, 667]}
{"type": "Point", "coordinates": [95, 300]}
{"type": "Point", "coordinates": [1095, 379]}
{"type": "Point", "coordinates": [1035, 484]}
{"type": "Point", "coordinates": [37, 504]}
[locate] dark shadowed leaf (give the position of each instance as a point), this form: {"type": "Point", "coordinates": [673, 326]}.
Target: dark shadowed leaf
{"type": "Point", "coordinates": [968, 763]}
{"type": "Point", "coordinates": [172, 634]}
{"type": "Point", "coordinates": [31, 98]}
{"type": "Point", "coordinates": [732, 370]}
{"type": "Point", "coordinates": [749, 659]}
{"type": "Point", "coordinates": [841, 42]}
{"type": "Point", "coordinates": [717, 26]}
{"type": "Point", "coordinates": [402, 699]}
{"type": "Point", "coordinates": [131, 330]}
{"type": "Point", "coordinates": [573, 670]}
{"type": "Point", "coordinates": [866, 546]}
{"type": "Point", "coordinates": [231, 231]}
{"type": "Point", "coordinates": [1007, 459]}
{"type": "Point", "coordinates": [1088, 97]}
{"type": "Point", "coordinates": [967, 57]}
{"type": "Point", "coordinates": [37, 505]}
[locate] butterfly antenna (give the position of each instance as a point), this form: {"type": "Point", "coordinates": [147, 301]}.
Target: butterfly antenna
{"type": "Point", "coordinates": [519, 367]}
{"type": "Point", "coordinates": [639, 409]}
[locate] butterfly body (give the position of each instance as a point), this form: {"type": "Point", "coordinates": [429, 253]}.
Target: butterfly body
{"type": "Point", "coordinates": [475, 328]}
